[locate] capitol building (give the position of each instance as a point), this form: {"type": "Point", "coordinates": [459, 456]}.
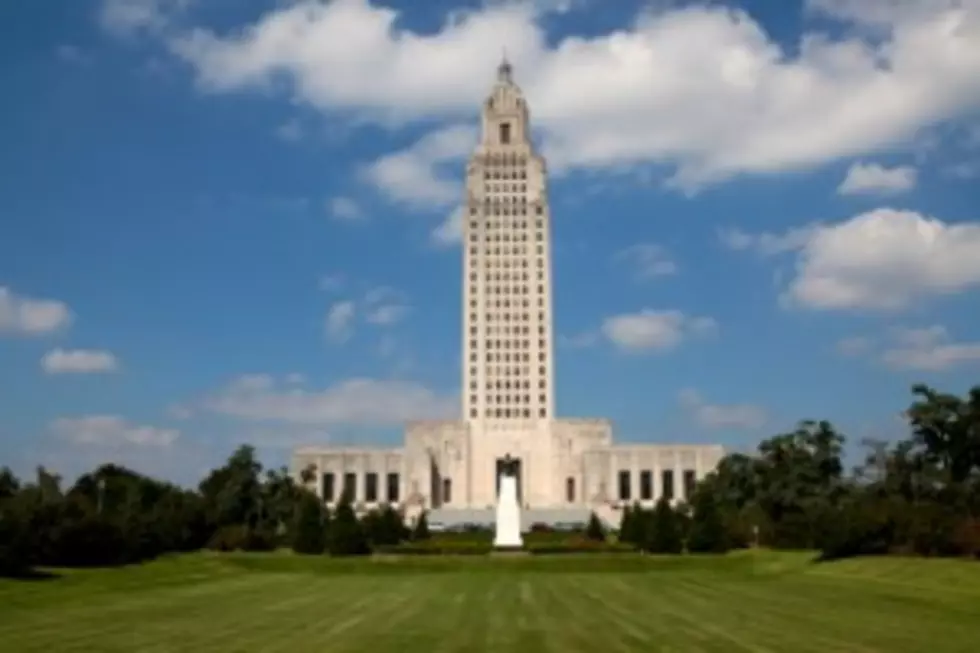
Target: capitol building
{"type": "Point", "coordinates": [566, 468]}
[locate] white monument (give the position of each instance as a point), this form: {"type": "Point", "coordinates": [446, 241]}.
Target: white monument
{"type": "Point", "coordinates": [508, 523]}
{"type": "Point", "coordinates": [563, 468]}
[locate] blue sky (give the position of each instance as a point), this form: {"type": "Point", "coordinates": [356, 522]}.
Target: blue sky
{"type": "Point", "coordinates": [228, 221]}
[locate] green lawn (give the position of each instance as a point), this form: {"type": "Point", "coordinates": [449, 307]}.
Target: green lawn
{"type": "Point", "coordinates": [743, 602]}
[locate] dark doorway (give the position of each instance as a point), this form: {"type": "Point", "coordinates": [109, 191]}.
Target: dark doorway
{"type": "Point", "coordinates": [518, 472]}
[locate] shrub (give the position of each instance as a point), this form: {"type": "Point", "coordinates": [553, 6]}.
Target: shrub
{"type": "Point", "coordinates": [346, 536]}
{"type": "Point", "coordinates": [595, 530]}
{"type": "Point", "coordinates": [706, 533]}
{"type": "Point", "coordinates": [421, 530]}
{"type": "Point", "coordinates": [310, 530]}
{"type": "Point", "coordinates": [663, 533]}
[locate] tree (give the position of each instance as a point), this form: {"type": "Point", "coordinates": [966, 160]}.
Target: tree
{"type": "Point", "coordinates": [310, 529]}
{"type": "Point", "coordinates": [633, 524]}
{"type": "Point", "coordinates": [594, 530]}
{"type": "Point", "coordinates": [663, 532]}
{"type": "Point", "coordinates": [707, 533]}
{"type": "Point", "coordinates": [346, 536]}
{"type": "Point", "coordinates": [421, 530]}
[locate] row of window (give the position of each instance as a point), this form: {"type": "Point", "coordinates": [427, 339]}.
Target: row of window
{"type": "Point", "coordinates": [507, 251]}
{"type": "Point", "coordinates": [506, 317]}
{"type": "Point", "coordinates": [496, 371]}
{"type": "Point", "coordinates": [506, 276]}
{"type": "Point", "coordinates": [506, 330]}
{"type": "Point", "coordinates": [507, 344]}
{"type": "Point", "coordinates": [505, 188]}
{"type": "Point", "coordinates": [368, 491]}
{"type": "Point", "coordinates": [497, 357]}
{"type": "Point", "coordinates": [505, 174]}
{"type": "Point", "coordinates": [520, 237]}
{"type": "Point", "coordinates": [501, 399]}
{"type": "Point", "coordinates": [507, 413]}
{"type": "Point", "coordinates": [497, 303]}
{"type": "Point", "coordinates": [506, 224]}
{"type": "Point", "coordinates": [506, 385]}
{"type": "Point", "coordinates": [505, 263]}
{"type": "Point", "coordinates": [498, 209]}
{"type": "Point", "coordinates": [646, 484]}
{"type": "Point", "coordinates": [502, 159]}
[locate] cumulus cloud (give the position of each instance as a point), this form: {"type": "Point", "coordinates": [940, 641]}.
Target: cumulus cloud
{"type": "Point", "coordinates": [345, 209]}
{"type": "Point", "coordinates": [79, 361]}
{"type": "Point", "coordinates": [884, 259]}
{"type": "Point", "coordinates": [362, 402]}
{"type": "Point", "coordinates": [450, 231]}
{"type": "Point", "coordinates": [384, 306]}
{"type": "Point", "coordinates": [29, 316]}
{"type": "Point", "coordinates": [649, 260]}
{"type": "Point", "coordinates": [871, 178]}
{"type": "Point", "coordinates": [416, 176]}
{"type": "Point", "coordinates": [126, 17]}
{"type": "Point", "coordinates": [701, 88]}
{"type": "Point", "coordinates": [927, 349]}
{"type": "Point", "coordinates": [111, 431]}
{"type": "Point", "coordinates": [716, 416]}
{"type": "Point", "coordinates": [339, 324]}
{"type": "Point", "coordinates": [651, 330]}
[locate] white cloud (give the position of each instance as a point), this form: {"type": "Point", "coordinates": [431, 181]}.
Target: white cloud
{"type": "Point", "coordinates": [340, 321]}
{"type": "Point", "coordinates": [853, 346]}
{"type": "Point", "coordinates": [290, 131]}
{"type": "Point", "coordinates": [450, 231]}
{"type": "Point", "coordinates": [654, 330]}
{"type": "Point", "coordinates": [79, 361]}
{"type": "Point", "coordinates": [126, 17]}
{"type": "Point", "coordinates": [649, 260]}
{"type": "Point", "coordinates": [717, 416]}
{"type": "Point", "coordinates": [871, 178]}
{"type": "Point", "coordinates": [767, 244]}
{"type": "Point", "coordinates": [385, 306]}
{"type": "Point", "coordinates": [415, 176]}
{"type": "Point", "coordinates": [365, 402]}
{"type": "Point", "coordinates": [331, 282]}
{"type": "Point", "coordinates": [927, 349]}
{"type": "Point", "coordinates": [702, 88]}
{"type": "Point", "coordinates": [111, 431]}
{"type": "Point", "coordinates": [885, 259]}
{"type": "Point", "coordinates": [20, 315]}
{"type": "Point", "coordinates": [345, 209]}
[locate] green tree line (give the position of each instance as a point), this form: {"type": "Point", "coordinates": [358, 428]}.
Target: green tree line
{"type": "Point", "coordinates": [918, 495]}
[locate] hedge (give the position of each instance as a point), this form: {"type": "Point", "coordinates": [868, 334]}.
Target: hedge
{"type": "Point", "coordinates": [462, 547]}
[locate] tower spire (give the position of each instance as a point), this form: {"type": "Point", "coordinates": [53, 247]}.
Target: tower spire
{"type": "Point", "coordinates": [505, 70]}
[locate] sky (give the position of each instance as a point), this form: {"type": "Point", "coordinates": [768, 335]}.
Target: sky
{"type": "Point", "coordinates": [237, 221]}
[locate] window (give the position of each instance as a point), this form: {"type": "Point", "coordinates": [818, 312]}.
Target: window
{"type": "Point", "coordinates": [350, 486]}
{"type": "Point", "coordinates": [624, 485]}
{"type": "Point", "coordinates": [690, 481]}
{"type": "Point", "coordinates": [327, 486]}
{"type": "Point", "coordinates": [392, 489]}
{"type": "Point", "coordinates": [570, 490]}
{"type": "Point", "coordinates": [371, 487]}
{"type": "Point", "coordinates": [447, 490]}
{"type": "Point", "coordinates": [646, 485]}
{"type": "Point", "coordinates": [667, 484]}
{"type": "Point", "coordinates": [473, 413]}
{"type": "Point", "coordinates": [505, 133]}
{"type": "Point", "coordinates": [542, 413]}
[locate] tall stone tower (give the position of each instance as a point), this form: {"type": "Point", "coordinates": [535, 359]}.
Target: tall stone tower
{"type": "Point", "coordinates": [508, 355]}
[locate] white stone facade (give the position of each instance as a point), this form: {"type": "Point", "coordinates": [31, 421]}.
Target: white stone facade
{"type": "Point", "coordinates": [567, 467]}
